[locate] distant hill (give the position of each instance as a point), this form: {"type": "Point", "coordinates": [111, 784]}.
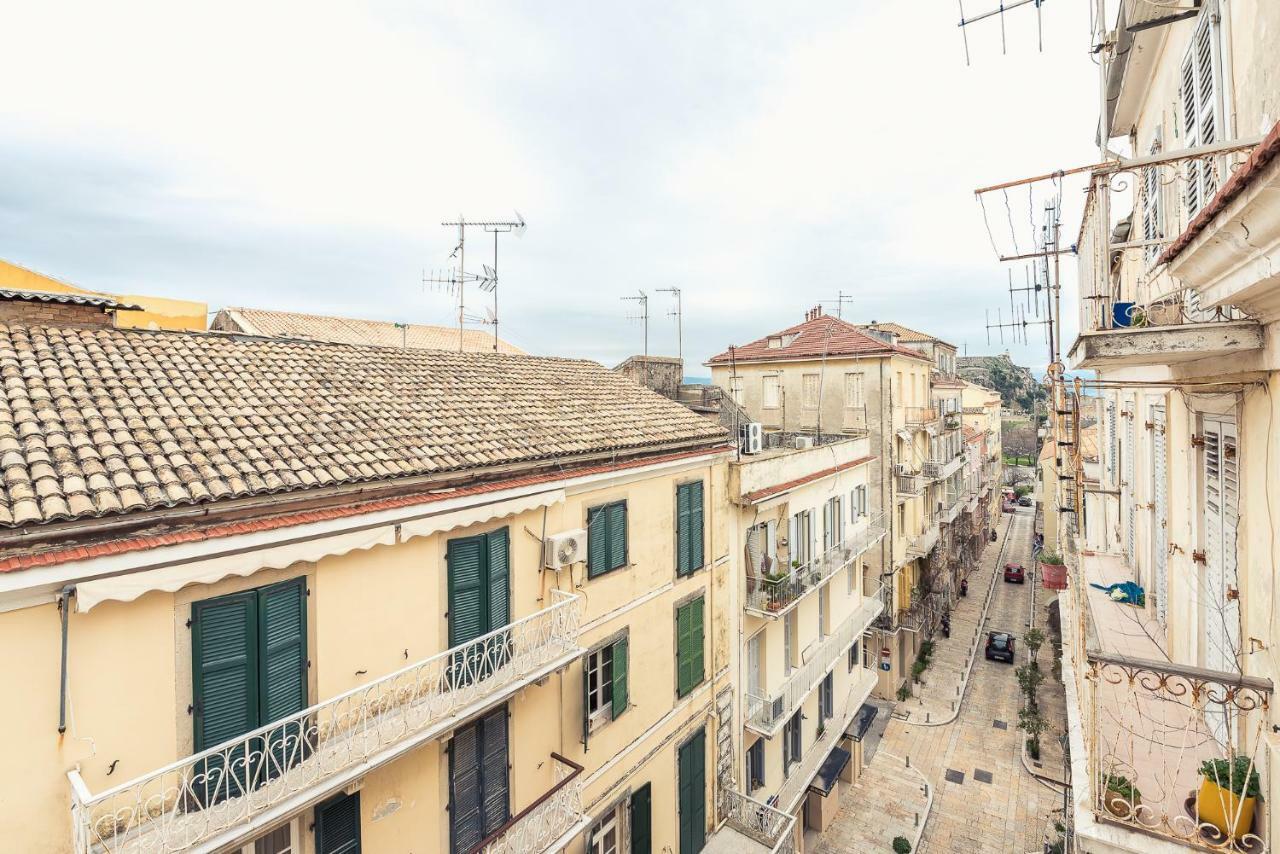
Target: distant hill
{"type": "Point", "coordinates": [1018, 389]}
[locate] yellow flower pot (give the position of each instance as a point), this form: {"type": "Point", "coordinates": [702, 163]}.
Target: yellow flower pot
{"type": "Point", "coordinates": [1222, 808]}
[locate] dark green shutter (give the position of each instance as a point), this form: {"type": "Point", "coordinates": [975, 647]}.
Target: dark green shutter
{"type": "Point", "coordinates": [597, 544]}
{"type": "Point", "coordinates": [641, 821]}
{"type": "Point", "coordinates": [493, 769]}
{"type": "Point", "coordinates": [695, 525]}
{"type": "Point", "coordinates": [466, 810]}
{"type": "Point", "coordinates": [338, 825]}
{"type": "Point", "coordinates": [499, 610]}
{"type": "Point", "coordinates": [468, 617]}
{"type": "Point", "coordinates": [282, 649]}
{"type": "Point", "coordinates": [683, 674]}
{"type": "Point", "coordinates": [617, 535]}
{"type": "Point", "coordinates": [692, 788]}
{"type": "Point", "coordinates": [619, 678]}
{"type": "Point", "coordinates": [683, 567]}
{"type": "Point", "coordinates": [224, 674]}
{"type": "Point", "coordinates": [696, 642]}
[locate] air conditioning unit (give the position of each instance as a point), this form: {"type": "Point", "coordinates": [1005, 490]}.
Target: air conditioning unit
{"type": "Point", "coordinates": [563, 550]}
{"type": "Point", "coordinates": [804, 443]}
{"type": "Point", "coordinates": [751, 437]}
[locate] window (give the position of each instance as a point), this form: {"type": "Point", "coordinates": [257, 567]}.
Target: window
{"type": "Point", "coordinates": [606, 835]}
{"type": "Point", "coordinates": [248, 668]}
{"type": "Point", "coordinates": [853, 391]}
{"type": "Point", "coordinates": [854, 655]}
{"type": "Point", "coordinates": [606, 538]}
{"type": "Point", "coordinates": [771, 397]}
{"type": "Point", "coordinates": [902, 520]}
{"type": "Point", "coordinates": [605, 683]}
{"type": "Point", "coordinates": [901, 389]}
{"type": "Point", "coordinates": [1201, 95]}
{"type": "Point", "coordinates": [479, 603]}
{"type": "Point", "coordinates": [338, 825]}
{"type": "Point", "coordinates": [853, 568]}
{"type": "Point", "coordinates": [791, 744]}
{"type": "Point", "coordinates": [833, 522]}
{"type": "Point", "coordinates": [755, 766]}
{"type": "Point", "coordinates": [827, 697]}
{"type": "Point", "coordinates": [788, 641]}
{"type": "Point", "coordinates": [479, 791]}
{"type": "Point", "coordinates": [1152, 213]}
{"type": "Point", "coordinates": [640, 818]}
{"type": "Point", "coordinates": [824, 612]}
{"type": "Point", "coordinates": [859, 500]}
{"type": "Point", "coordinates": [689, 534]}
{"type": "Point", "coordinates": [800, 543]}
{"type": "Point", "coordinates": [689, 641]}
{"type": "Point", "coordinates": [735, 390]}
{"type": "Point", "coordinates": [809, 391]}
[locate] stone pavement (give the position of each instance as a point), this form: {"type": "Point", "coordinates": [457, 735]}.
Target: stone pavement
{"type": "Point", "coordinates": [984, 800]}
{"type": "Point", "coordinates": [901, 807]}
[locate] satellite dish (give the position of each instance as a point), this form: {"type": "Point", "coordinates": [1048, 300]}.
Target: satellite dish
{"type": "Point", "coordinates": [519, 229]}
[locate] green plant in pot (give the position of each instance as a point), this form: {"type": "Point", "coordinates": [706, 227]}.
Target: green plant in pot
{"type": "Point", "coordinates": [1120, 796]}
{"type": "Point", "coordinates": [901, 845]}
{"type": "Point", "coordinates": [1229, 791]}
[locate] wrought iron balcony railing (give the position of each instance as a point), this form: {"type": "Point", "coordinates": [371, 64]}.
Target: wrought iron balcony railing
{"type": "Point", "coordinates": [766, 714]}
{"type": "Point", "coordinates": [552, 819]}
{"type": "Point", "coordinates": [770, 827]}
{"type": "Point", "coordinates": [772, 592]}
{"type": "Point", "coordinates": [919, 416]}
{"type": "Point", "coordinates": [222, 795]}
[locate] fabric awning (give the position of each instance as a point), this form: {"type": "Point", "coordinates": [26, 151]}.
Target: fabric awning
{"type": "Point", "coordinates": [480, 513]}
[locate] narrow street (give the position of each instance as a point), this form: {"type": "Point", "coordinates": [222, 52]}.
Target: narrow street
{"type": "Point", "coordinates": [983, 798]}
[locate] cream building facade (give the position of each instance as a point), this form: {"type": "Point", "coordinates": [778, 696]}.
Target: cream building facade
{"type": "Point", "coordinates": [1178, 315]}
{"type": "Point", "coordinates": [279, 596]}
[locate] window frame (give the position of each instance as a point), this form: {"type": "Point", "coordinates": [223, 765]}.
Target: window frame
{"type": "Point", "coordinates": [853, 391]}
{"type": "Point", "coordinates": [771, 383]}
{"type": "Point", "coordinates": [810, 390]}
{"type": "Point", "coordinates": [692, 568]}
{"type": "Point", "coordinates": [621, 827]}
{"type": "Point", "coordinates": [681, 652]}
{"type": "Point", "coordinates": [605, 712]}
{"type": "Point", "coordinates": [594, 512]}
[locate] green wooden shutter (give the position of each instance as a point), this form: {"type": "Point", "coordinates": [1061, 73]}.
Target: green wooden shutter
{"type": "Point", "coordinates": [466, 815]}
{"type": "Point", "coordinates": [683, 674]}
{"type": "Point", "coordinates": [498, 580]}
{"type": "Point", "coordinates": [617, 535]}
{"type": "Point", "coordinates": [468, 612]}
{"type": "Point", "coordinates": [619, 678]}
{"type": "Point", "coordinates": [338, 825]}
{"type": "Point", "coordinates": [696, 642]}
{"type": "Point", "coordinates": [641, 821]}
{"type": "Point", "coordinates": [692, 794]}
{"type": "Point", "coordinates": [224, 672]}
{"type": "Point", "coordinates": [695, 525]}
{"type": "Point", "coordinates": [683, 566]}
{"type": "Point", "coordinates": [282, 649]}
{"type": "Point", "coordinates": [597, 542]}
{"type": "Point", "coordinates": [493, 770]}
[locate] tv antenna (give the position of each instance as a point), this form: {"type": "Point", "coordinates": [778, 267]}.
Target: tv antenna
{"type": "Point", "coordinates": [455, 279]}
{"type": "Point", "coordinates": [674, 291]}
{"type": "Point", "coordinates": [643, 300]}
{"type": "Point", "coordinates": [1004, 7]}
{"type": "Point", "coordinates": [841, 299]}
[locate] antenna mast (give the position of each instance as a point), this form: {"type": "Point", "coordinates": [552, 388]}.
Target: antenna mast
{"type": "Point", "coordinates": [643, 299]}
{"type": "Point", "coordinates": [457, 277]}
{"type": "Point", "coordinates": [674, 291]}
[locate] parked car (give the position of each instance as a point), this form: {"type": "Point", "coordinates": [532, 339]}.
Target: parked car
{"type": "Point", "coordinates": [1025, 501]}
{"type": "Point", "coordinates": [1015, 573]}
{"type": "Point", "coordinates": [1000, 646]}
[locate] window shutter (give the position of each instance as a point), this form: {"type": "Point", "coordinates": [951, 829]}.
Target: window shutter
{"type": "Point", "coordinates": [224, 667]}
{"type": "Point", "coordinates": [683, 660]}
{"type": "Point", "coordinates": [282, 629]}
{"type": "Point", "coordinates": [499, 580]}
{"type": "Point", "coordinates": [467, 617]}
{"type": "Point", "coordinates": [695, 531]}
{"type": "Point", "coordinates": [683, 566]}
{"type": "Point", "coordinates": [696, 642]}
{"type": "Point", "coordinates": [597, 545]}
{"type": "Point", "coordinates": [619, 678]}
{"type": "Point", "coordinates": [617, 535]}
{"type": "Point", "coordinates": [641, 821]}
{"type": "Point", "coordinates": [586, 700]}
{"type": "Point", "coordinates": [465, 811]}
{"type": "Point", "coordinates": [338, 825]}
{"type": "Point", "coordinates": [494, 769]}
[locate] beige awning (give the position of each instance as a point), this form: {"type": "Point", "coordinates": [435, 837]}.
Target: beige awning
{"type": "Point", "coordinates": [481, 513]}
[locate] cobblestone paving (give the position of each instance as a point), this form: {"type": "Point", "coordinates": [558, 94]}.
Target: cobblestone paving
{"type": "Point", "coordinates": [1011, 811]}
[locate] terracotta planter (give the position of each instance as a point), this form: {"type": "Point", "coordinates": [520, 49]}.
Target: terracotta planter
{"type": "Point", "coordinates": [1118, 805]}
{"type": "Point", "coordinates": [1223, 809]}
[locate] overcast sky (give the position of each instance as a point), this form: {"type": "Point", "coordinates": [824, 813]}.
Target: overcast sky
{"type": "Point", "coordinates": [762, 157]}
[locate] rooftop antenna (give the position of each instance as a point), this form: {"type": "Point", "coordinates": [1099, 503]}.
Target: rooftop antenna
{"type": "Point", "coordinates": [455, 279]}
{"type": "Point", "coordinates": [1000, 10]}
{"type": "Point", "coordinates": [674, 291]}
{"type": "Point", "coordinates": [643, 299]}
{"type": "Point", "coordinates": [841, 299]}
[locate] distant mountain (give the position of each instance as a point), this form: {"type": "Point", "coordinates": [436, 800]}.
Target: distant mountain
{"type": "Point", "coordinates": [1018, 388]}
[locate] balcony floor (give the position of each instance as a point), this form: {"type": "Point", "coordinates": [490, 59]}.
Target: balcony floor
{"type": "Point", "coordinates": [1162, 345]}
{"type": "Point", "coordinates": [726, 840]}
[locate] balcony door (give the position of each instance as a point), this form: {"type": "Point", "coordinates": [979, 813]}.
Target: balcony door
{"type": "Point", "coordinates": [479, 603]}
{"type": "Point", "coordinates": [1220, 492]}
{"type": "Point", "coordinates": [692, 791]}
{"type": "Point", "coordinates": [479, 791]}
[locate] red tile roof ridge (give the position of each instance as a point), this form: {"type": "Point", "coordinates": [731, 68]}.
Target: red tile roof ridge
{"type": "Point", "coordinates": [814, 338]}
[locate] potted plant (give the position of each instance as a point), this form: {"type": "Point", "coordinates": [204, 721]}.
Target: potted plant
{"type": "Point", "coordinates": [901, 845]}
{"type": "Point", "coordinates": [1120, 796]}
{"type": "Point", "coordinates": [1227, 795]}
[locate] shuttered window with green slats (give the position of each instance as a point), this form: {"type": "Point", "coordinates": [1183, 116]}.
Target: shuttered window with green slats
{"type": "Point", "coordinates": [479, 603]}
{"type": "Point", "coordinates": [689, 535]}
{"type": "Point", "coordinates": [692, 791]}
{"type": "Point", "coordinates": [606, 538]}
{"type": "Point", "coordinates": [479, 791]}
{"type": "Point", "coordinates": [689, 643]}
{"type": "Point", "coordinates": [338, 825]}
{"type": "Point", "coordinates": [604, 690]}
{"type": "Point", "coordinates": [249, 668]}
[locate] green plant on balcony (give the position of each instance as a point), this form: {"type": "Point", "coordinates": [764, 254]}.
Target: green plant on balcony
{"type": "Point", "coordinates": [901, 845]}
{"type": "Point", "coordinates": [1229, 791]}
{"type": "Point", "coordinates": [1120, 796]}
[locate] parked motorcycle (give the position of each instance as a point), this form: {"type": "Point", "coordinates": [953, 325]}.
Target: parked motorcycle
{"type": "Point", "coordinates": [946, 625]}
{"type": "Point", "coordinates": [964, 587]}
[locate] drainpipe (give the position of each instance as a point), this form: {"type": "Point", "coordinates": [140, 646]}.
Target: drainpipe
{"type": "Point", "coordinates": [64, 606]}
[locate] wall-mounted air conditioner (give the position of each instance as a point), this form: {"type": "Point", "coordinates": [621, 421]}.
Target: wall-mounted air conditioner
{"type": "Point", "coordinates": [804, 443]}
{"type": "Point", "coordinates": [751, 437]}
{"type": "Point", "coordinates": [563, 550]}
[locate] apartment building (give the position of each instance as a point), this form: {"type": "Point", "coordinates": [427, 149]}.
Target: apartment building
{"type": "Point", "coordinates": [280, 596]}
{"type": "Point", "coordinates": [1178, 309]}
{"type": "Point", "coordinates": [826, 377]}
{"type": "Point", "coordinates": [981, 410]}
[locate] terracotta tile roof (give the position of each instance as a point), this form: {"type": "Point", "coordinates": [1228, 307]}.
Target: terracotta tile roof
{"type": "Point", "coordinates": [971, 434]}
{"type": "Point", "coordinates": [346, 330]}
{"type": "Point", "coordinates": [904, 333]}
{"type": "Point", "coordinates": [944, 381]}
{"type": "Point", "coordinates": [107, 421]}
{"type": "Point", "coordinates": [813, 338]}
{"type": "Point", "coordinates": [67, 299]}
{"type": "Point", "coordinates": [1259, 159]}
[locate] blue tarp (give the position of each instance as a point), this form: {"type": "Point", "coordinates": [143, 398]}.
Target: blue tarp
{"type": "Point", "coordinates": [1129, 593]}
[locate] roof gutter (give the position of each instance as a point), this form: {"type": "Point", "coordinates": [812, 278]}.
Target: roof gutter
{"type": "Point", "coordinates": [313, 499]}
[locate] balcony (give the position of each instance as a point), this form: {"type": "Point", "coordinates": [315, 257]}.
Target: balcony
{"type": "Point", "coordinates": [752, 827]}
{"type": "Point", "coordinates": [225, 795]}
{"type": "Point", "coordinates": [923, 543]}
{"type": "Point", "coordinates": [549, 823]}
{"type": "Point", "coordinates": [908, 482]}
{"type": "Point", "coordinates": [1169, 330]}
{"type": "Point", "coordinates": [772, 595]}
{"type": "Point", "coordinates": [767, 714]}
{"type": "Point", "coordinates": [942, 468]}
{"type": "Point", "coordinates": [919, 416]}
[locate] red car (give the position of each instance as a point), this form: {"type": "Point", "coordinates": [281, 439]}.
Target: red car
{"type": "Point", "coordinates": [1015, 573]}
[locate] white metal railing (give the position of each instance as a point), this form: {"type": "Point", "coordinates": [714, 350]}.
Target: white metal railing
{"type": "Point", "coordinates": [217, 795]}
{"type": "Point", "coordinates": [908, 482]}
{"type": "Point", "coordinates": [800, 775]}
{"type": "Point", "coordinates": [772, 593]}
{"type": "Point", "coordinates": [767, 713]}
{"type": "Point", "coordinates": [940, 469]}
{"type": "Point", "coordinates": [921, 545]}
{"type": "Point", "coordinates": [771, 827]}
{"type": "Point", "coordinates": [555, 815]}
{"type": "Point", "coordinates": [920, 415]}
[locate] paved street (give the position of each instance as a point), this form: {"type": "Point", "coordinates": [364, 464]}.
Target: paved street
{"type": "Point", "coordinates": [984, 800]}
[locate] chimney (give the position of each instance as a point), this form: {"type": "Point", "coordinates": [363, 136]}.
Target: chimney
{"type": "Point", "coordinates": [46, 308]}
